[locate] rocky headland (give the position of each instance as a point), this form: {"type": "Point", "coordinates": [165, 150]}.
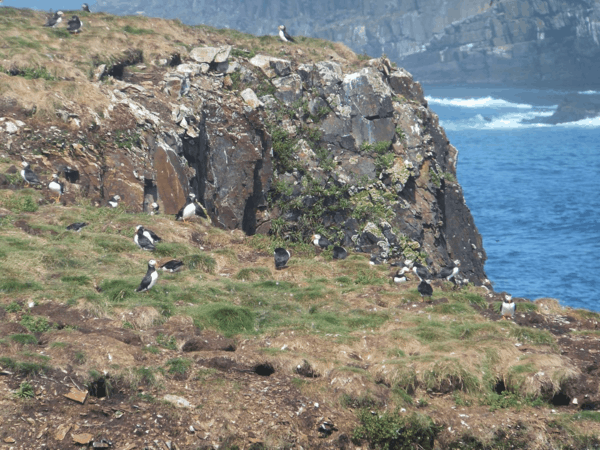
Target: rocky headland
{"type": "Point", "coordinates": [277, 142]}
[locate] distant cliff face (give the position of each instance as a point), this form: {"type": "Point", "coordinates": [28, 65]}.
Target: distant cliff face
{"type": "Point", "coordinates": [529, 42]}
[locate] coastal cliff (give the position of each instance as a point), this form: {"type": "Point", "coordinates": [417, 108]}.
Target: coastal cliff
{"type": "Point", "coordinates": [277, 142]}
{"type": "Point", "coordinates": [537, 43]}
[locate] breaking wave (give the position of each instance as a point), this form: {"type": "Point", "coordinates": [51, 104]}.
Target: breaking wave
{"type": "Point", "coordinates": [509, 121]}
{"type": "Point", "coordinates": [482, 102]}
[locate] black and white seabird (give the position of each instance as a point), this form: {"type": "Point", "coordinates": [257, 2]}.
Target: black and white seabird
{"type": "Point", "coordinates": [425, 289]}
{"type": "Point", "coordinates": [172, 266]}
{"type": "Point", "coordinates": [284, 36]}
{"type": "Point", "coordinates": [85, 8]}
{"type": "Point", "coordinates": [339, 252]}
{"type": "Point", "coordinates": [54, 19]}
{"type": "Point", "coordinates": [320, 242]}
{"type": "Point", "coordinates": [154, 238]}
{"type": "Point", "coordinates": [74, 25]}
{"type": "Point", "coordinates": [28, 175]}
{"type": "Point", "coordinates": [450, 272]}
{"type": "Point", "coordinates": [77, 226]}
{"type": "Point", "coordinates": [143, 241]}
{"type": "Point", "coordinates": [190, 209]}
{"type": "Point", "coordinates": [155, 209]}
{"type": "Point", "coordinates": [400, 275]}
{"type": "Point", "coordinates": [150, 279]}
{"type": "Point", "coordinates": [508, 307]}
{"type": "Point", "coordinates": [56, 186]}
{"type": "Point", "coordinates": [421, 272]}
{"type": "Point", "coordinates": [375, 260]}
{"type": "Point", "coordinates": [113, 202]}
{"type": "Point", "coordinates": [282, 256]}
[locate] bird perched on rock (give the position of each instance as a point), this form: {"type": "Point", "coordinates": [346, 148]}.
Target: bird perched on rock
{"type": "Point", "coordinates": [28, 175]}
{"type": "Point", "coordinates": [425, 289]}
{"type": "Point", "coordinates": [54, 19]}
{"type": "Point", "coordinates": [190, 209]}
{"type": "Point", "coordinates": [142, 240]}
{"type": "Point", "coordinates": [172, 266]}
{"type": "Point", "coordinates": [113, 202]}
{"type": "Point", "coordinates": [320, 242]}
{"type": "Point", "coordinates": [74, 25]}
{"type": "Point", "coordinates": [149, 279]}
{"type": "Point", "coordinates": [77, 226]}
{"type": "Point", "coordinates": [56, 186]}
{"type": "Point", "coordinates": [508, 307]}
{"type": "Point", "coordinates": [450, 272]}
{"type": "Point", "coordinates": [283, 35]}
{"type": "Point", "coordinates": [421, 272]}
{"type": "Point", "coordinates": [339, 252]}
{"type": "Point", "coordinates": [85, 8]}
{"type": "Point", "coordinates": [155, 209]}
{"type": "Point", "coordinates": [282, 256]}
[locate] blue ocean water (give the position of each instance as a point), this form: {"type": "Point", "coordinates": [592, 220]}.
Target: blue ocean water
{"type": "Point", "coordinates": [533, 190]}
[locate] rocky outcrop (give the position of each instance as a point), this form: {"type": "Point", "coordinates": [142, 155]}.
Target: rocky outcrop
{"type": "Point", "coordinates": [573, 108]}
{"type": "Point", "coordinates": [550, 42]}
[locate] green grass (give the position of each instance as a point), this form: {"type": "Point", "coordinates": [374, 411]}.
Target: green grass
{"type": "Point", "coordinates": [12, 285]}
{"type": "Point", "coordinates": [25, 390]}
{"type": "Point", "coordinates": [227, 318]}
{"type": "Point", "coordinates": [178, 366]}
{"type": "Point", "coordinates": [35, 324]}
{"type": "Point", "coordinates": [253, 273]}
{"type": "Point", "coordinates": [24, 367]}
{"type": "Point", "coordinates": [201, 262]}
{"type": "Point", "coordinates": [24, 339]}
{"type": "Point", "coordinates": [133, 30]}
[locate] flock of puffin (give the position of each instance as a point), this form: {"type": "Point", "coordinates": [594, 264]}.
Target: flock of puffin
{"type": "Point", "coordinates": [74, 24]}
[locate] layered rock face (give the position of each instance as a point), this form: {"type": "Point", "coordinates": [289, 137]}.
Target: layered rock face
{"type": "Point", "coordinates": [275, 146]}
{"type": "Point", "coordinates": [529, 42]}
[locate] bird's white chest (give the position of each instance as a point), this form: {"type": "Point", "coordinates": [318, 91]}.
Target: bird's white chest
{"type": "Point", "coordinates": [55, 187]}
{"type": "Point", "coordinates": [113, 204]}
{"type": "Point", "coordinates": [282, 36]}
{"type": "Point", "coordinates": [189, 211]}
{"type": "Point", "coordinates": [23, 174]}
{"type": "Point", "coordinates": [148, 236]}
{"type": "Point", "coordinates": [153, 278]}
{"type": "Point", "coordinates": [508, 308]}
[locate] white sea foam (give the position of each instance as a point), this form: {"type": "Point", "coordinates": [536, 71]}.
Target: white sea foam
{"type": "Point", "coordinates": [589, 92]}
{"type": "Point", "coordinates": [593, 122]}
{"type": "Point", "coordinates": [509, 121]}
{"type": "Point", "coordinates": [481, 102]}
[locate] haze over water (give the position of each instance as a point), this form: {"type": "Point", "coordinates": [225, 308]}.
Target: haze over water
{"type": "Point", "coordinates": [533, 190]}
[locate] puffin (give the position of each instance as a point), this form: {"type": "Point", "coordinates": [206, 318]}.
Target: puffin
{"type": "Point", "coordinates": [155, 209]}
{"type": "Point", "coordinates": [74, 25]}
{"type": "Point", "coordinates": [113, 202]}
{"type": "Point", "coordinates": [190, 209]}
{"type": "Point", "coordinates": [320, 242]}
{"type": "Point", "coordinates": [85, 8]}
{"type": "Point", "coordinates": [28, 175]}
{"type": "Point", "coordinates": [283, 35]}
{"type": "Point", "coordinates": [281, 258]}
{"type": "Point", "coordinates": [149, 279]}
{"type": "Point", "coordinates": [421, 272]}
{"type": "Point", "coordinates": [425, 289]}
{"type": "Point", "coordinates": [143, 241]}
{"type": "Point", "coordinates": [400, 275]}
{"type": "Point", "coordinates": [375, 260]}
{"type": "Point", "coordinates": [56, 186]}
{"type": "Point", "coordinates": [339, 252]}
{"type": "Point", "coordinates": [450, 272]}
{"type": "Point", "coordinates": [54, 19]}
{"type": "Point", "coordinates": [508, 307]}
{"type": "Point", "coordinates": [172, 266]}
{"type": "Point", "coordinates": [154, 238]}
{"type": "Point", "coordinates": [77, 226]}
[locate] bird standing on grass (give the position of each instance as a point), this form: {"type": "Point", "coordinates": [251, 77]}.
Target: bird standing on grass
{"type": "Point", "coordinates": [508, 308]}
{"type": "Point", "coordinates": [54, 19]}
{"type": "Point", "coordinates": [28, 175]}
{"type": "Point", "coordinates": [113, 202]}
{"type": "Point", "coordinates": [421, 272]}
{"type": "Point", "coordinates": [283, 35]}
{"type": "Point", "coordinates": [155, 209]}
{"type": "Point", "coordinates": [77, 226]}
{"type": "Point", "coordinates": [190, 209]}
{"type": "Point", "coordinates": [339, 252]}
{"type": "Point", "coordinates": [150, 279]}
{"type": "Point", "coordinates": [400, 275]}
{"type": "Point", "coordinates": [172, 266]}
{"type": "Point", "coordinates": [142, 240]}
{"type": "Point", "coordinates": [74, 25]}
{"type": "Point", "coordinates": [56, 186]}
{"type": "Point", "coordinates": [450, 272]}
{"type": "Point", "coordinates": [320, 242]}
{"type": "Point", "coordinates": [425, 289]}
{"type": "Point", "coordinates": [281, 258]}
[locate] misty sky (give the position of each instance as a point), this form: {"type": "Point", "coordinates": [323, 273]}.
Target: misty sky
{"type": "Point", "coordinates": [46, 5]}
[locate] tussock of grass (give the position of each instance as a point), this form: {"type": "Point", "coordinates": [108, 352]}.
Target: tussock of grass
{"type": "Point", "coordinates": [227, 318]}
{"type": "Point", "coordinates": [254, 273]}
{"type": "Point", "coordinates": [200, 261]}
{"type": "Point", "coordinates": [24, 339]}
{"type": "Point", "coordinates": [26, 368]}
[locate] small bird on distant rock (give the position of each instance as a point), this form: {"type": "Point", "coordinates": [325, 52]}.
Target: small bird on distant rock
{"type": "Point", "coordinates": [85, 8]}
{"type": "Point", "coordinates": [74, 25]}
{"type": "Point", "coordinates": [425, 289]}
{"type": "Point", "coordinates": [150, 279]}
{"type": "Point", "coordinates": [284, 36]}
{"type": "Point", "coordinates": [282, 256]}
{"type": "Point", "coordinates": [28, 175]}
{"type": "Point", "coordinates": [155, 209]}
{"type": "Point", "coordinates": [77, 226]}
{"type": "Point", "coordinates": [508, 307]}
{"type": "Point", "coordinates": [113, 202]}
{"type": "Point", "coordinates": [142, 240]}
{"type": "Point", "coordinates": [190, 209]}
{"type": "Point", "coordinates": [54, 19]}
{"type": "Point", "coordinates": [320, 242]}
{"type": "Point", "coordinates": [56, 186]}
{"type": "Point", "coordinates": [339, 252]}
{"type": "Point", "coordinates": [172, 266]}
